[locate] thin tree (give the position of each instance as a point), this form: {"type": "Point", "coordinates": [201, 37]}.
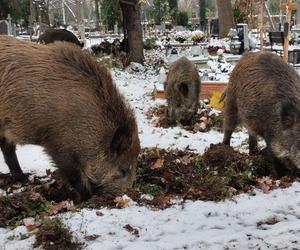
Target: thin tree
{"type": "Point", "coordinates": [97, 15]}
{"type": "Point", "coordinates": [225, 16]}
{"type": "Point", "coordinates": [173, 9]}
{"type": "Point", "coordinates": [202, 13]}
{"type": "Point", "coordinates": [133, 31]}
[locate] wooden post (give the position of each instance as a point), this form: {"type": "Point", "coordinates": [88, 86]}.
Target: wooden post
{"type": "Point", "coordinates": [298, 16]}
{"type": "Point", "coordinates": [288, 6]}
{"type": "Point", "coordinates": [286, 39]}
{"type": "Point", "coordinates": [261, 24]}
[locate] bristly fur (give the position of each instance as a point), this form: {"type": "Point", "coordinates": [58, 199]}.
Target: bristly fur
{"type": "Point", "coordinates": [53, 35]}
{"type": "Point", "coordinates": [182, 89]}
{"type": "Point", "coordinates": [61, 98]}
{"type": "Point", "coordinates": [264, 95]}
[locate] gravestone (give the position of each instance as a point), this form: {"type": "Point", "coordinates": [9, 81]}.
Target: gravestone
{"type": "Point", "coordinates": [160, 28]}
{"type": "Point", "coordinates": [116, 28]}
{"type": "Point", "coordinates": [179, 28]}
{"type": "Point", "coordinates": [4, 27]}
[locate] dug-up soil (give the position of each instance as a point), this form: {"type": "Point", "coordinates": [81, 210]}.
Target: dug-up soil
{"type": "Point", "coordinates": [163, 178]}
{"type": "Point", "coordinates": [204, 120]}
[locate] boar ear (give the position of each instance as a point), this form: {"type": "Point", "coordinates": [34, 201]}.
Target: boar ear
{"type": "Point", "coordinates": [183, 88]}
{"type": "Point", "coordinates": [121, 140]}
{"type": "Point", "coordinates": [289, 115]}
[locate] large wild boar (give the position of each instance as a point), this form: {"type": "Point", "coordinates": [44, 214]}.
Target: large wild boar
{"type": "Point", "coordinates": [264, 95]}
{"type": "Point", "coordinates": [59, 97]}
{"type": "Point", "coordinates": [53, 35]}
{"type": "Point", "coordinates": [182, 89]}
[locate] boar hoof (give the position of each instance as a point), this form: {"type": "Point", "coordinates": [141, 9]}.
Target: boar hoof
{"type": "Point", "coordinates": [19, 177]}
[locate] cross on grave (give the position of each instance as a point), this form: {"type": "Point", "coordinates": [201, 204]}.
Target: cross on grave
{"type": "Point", "coordinates": [9, 24]}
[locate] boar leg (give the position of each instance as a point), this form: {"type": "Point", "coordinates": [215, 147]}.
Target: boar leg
{"type": "Point", "coordinates": [230, 120]}
{"type": "Point", "coordinates": [252, 145]}
{"type": "Point", "coordinates": [277, 167]}
{"type": "Point", "coordinates": [10, 157]}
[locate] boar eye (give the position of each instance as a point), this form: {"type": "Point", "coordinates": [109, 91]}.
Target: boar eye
{"type": "Point", "coordinates": [184, 89]}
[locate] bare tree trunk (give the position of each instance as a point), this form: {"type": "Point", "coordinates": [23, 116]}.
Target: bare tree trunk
{"type": "Point", "coordinates": [225, 17]}
{"type": "Point", "coordinates": [97, 15]}
{"type": "Point", "coordinates": [298, 16]}
{"type": "Point", "coordinates": [80, 18]}
{"type": "Point", "coordinates": [133, 29]}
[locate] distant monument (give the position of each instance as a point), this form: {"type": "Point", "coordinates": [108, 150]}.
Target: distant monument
{"type": "Point", "coordinates": [5, 26]}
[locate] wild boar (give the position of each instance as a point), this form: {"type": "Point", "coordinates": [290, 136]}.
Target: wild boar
{"type": "Point", "coordinates": [264, 95]}
{"type": "Point", "coordinates": [53, 35]}
{"type": "Point", "coordinates": [182, 89]}
{"type": "Point", "coordinates": [59, 97]}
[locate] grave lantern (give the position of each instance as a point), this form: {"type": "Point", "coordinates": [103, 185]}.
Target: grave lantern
{"type": "Point", "coordinates": [235, 45]}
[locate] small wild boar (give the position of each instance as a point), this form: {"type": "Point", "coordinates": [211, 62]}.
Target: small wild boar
{"type": "Point", "coordinates": [264, 95]}
{"type": "Point", "coordinates": [53, 35]}
{"type": "Point", "coordinates": [182, 89]}
{"type": "Point", "coordinates": [59, 97]}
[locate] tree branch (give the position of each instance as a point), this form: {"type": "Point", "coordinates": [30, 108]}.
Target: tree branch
{"type": "Point", "coordinates": [128, 2]}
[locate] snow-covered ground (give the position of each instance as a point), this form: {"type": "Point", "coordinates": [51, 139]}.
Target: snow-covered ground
{"type": "Point", "coordinates": [231, 224]}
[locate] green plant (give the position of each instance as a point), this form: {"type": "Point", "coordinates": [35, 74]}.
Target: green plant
{"type": "Point", "coordinates": [149, 44]}
{"type": "Point", "coordinates": [151, 189]}
{"type": "Point", "coordinates": [182, 18]}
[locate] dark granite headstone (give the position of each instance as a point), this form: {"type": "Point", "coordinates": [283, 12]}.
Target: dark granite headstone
{"type": "Point", "coordinates": [3, 27]}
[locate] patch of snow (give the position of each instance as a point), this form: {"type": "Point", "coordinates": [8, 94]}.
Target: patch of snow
{"type": "Point", "coordinates": [231, 224]}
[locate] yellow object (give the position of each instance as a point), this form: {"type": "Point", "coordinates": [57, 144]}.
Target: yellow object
{"type": "Point", "coordinates": [214, 100]}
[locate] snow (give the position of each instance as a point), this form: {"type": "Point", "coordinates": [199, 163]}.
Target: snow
{"type": "Point", "coordinates": [230, 224]}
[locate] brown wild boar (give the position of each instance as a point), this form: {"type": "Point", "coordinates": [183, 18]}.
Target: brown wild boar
{"type": "Point", "coordinates": [59, 97]}
{"type": "Point", "coordinates": [182, 89]}
{"type": "Point", "coordinates": [53, 35]}
{"type": "Point", "coordinates": [264, 95]}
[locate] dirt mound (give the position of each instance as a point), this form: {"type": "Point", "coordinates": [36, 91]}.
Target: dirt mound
{"type": "Point", "coordinates": [18, 206]}
{"type": "Point", "coordinates": [203, 121]}
{"type": "Point", "coordinates": [53, 235]}
{"type": "Point", "coordinates": [164, 177]}
{"type": "Point", "coordinates": [58, 190]}
{"type": "Point", "coordinates": [220, 156]}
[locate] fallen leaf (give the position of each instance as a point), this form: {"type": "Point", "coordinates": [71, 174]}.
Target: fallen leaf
{"type": "Point", "coordinates": [157, 151]}
{"type": "Point", "coordinates": [285, 182]}
{"type": "Point", "coordinates": [165, 201]}
{"type": "Point", "coordinates": [167, 176]}
{"type": "Point", "coordinates": [158, 164]}
{"type": "Point", "coordinates": [231, 191]}
{"type": "Point", "coordinates": [197, 127]}
{"type": "Point", "coordinates": [2, 192]}
{"type": "Point", "coordinates": [31, 224]}
{"type": "Point", "coordinates": [28, 222]}
{"type": "Point", "coordinates": [121, 201]}
{"type": "Point", "coordinates": [132, 230]}
{"type": "Point", "coordinates": [63, 205]}
{"type": "Point", "coordinates": [49, 172]}
{"type": "Point", "coordinates": [34, 196]}
{"type": "Point", "coordinates": [266, 183]}
{"type": "Point", "coordinates": [269, 221]}
{"type": "Point", "coordinates": [156, 123]}
{"type": "Point", "coordinates": [91, 237]}
{"type": "Point", "coordinates": [185, 160]}
{"type": "Point", "coordinates": [99, 213]}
